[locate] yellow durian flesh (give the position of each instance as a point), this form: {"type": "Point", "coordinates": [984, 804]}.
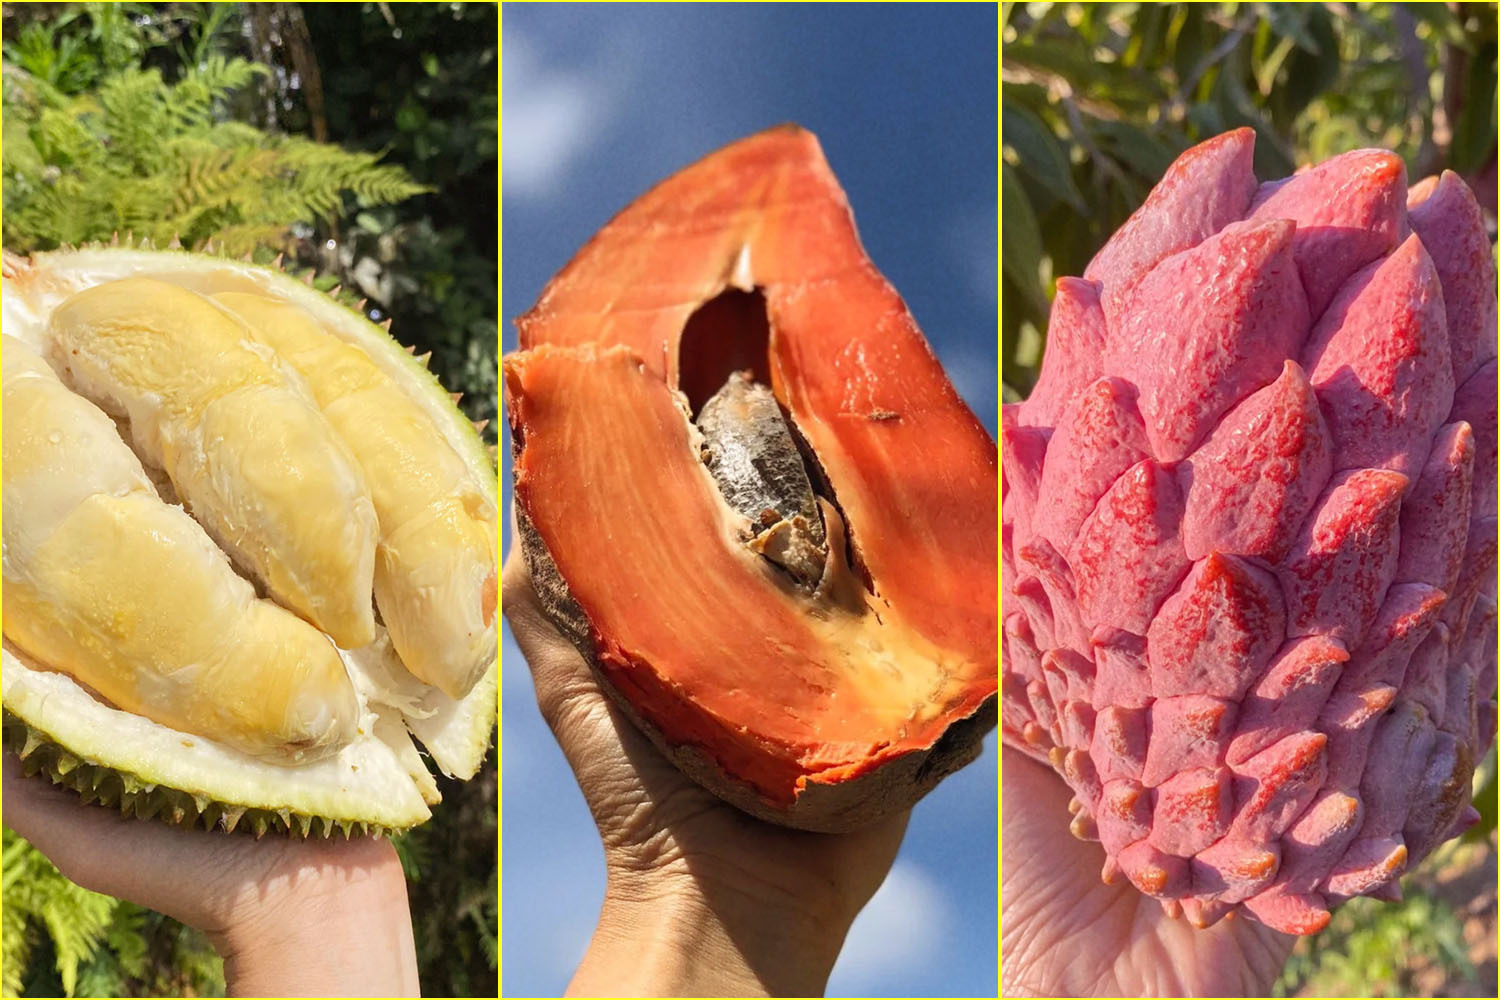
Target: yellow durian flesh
{"type": "Point", "coordinates": [129, 596]}
{"type": "Point", "coordinates": [46, 428]}
{"type": "Point", "coordinates": [244, 446]}
{"type": "Point", "coordinates": [435, 576]}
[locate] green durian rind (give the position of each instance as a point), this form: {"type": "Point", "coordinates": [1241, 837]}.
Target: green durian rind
{"type": "Point", "coordinates": [134, 764]}
{"type": "Point", "coordinates": [133, 797]}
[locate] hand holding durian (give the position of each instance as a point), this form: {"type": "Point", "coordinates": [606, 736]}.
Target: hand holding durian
{"type": "Point", "coordinates": [290, 917]}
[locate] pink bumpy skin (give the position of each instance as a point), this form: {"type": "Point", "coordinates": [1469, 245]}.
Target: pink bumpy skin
{"type": "Point", "coordinates": [1248, 537]}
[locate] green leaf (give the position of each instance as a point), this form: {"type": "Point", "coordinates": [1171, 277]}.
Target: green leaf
{"type": "Point", "coordinates": [1021, 248]}
{"type": "Point", "coordinates": [1075, 64]}
{"type": "Point", "coordinates": [1144, 152]}
{"type": "Point", "coordinates": [1443, 22]}
{"type": "Point", "coordinates": [1029, 347]}
{"type": "Point", "coordinates": [1038, 154]}
{"type": "Point", "coordinates": [1266, 72]}
{"type": "Point", "coordinates": [1313, 72]}
{"type": "Point", "coordinates": [1484, 798]}
{"type": "Point", "coordinates": [1474, 129]}
{"type": "Point", "coordinates": [1290, 22]}
{"type": "Point", "coordinates": [410, 117]}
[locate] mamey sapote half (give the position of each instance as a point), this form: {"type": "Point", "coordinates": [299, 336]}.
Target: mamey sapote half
{"type": "Point", "coordinates": [750, 496]}
{"type": "Point", "coordinates": [1248, 536]}
{"type": "Point", "coordinates": [249, 548]}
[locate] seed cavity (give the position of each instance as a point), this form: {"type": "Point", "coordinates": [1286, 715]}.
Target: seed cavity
{"type": "Point", "coordinates": [750, 451]}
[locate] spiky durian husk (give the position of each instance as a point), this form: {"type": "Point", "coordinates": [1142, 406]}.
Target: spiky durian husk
{"type": "Point", "coordinates": [134, 795]}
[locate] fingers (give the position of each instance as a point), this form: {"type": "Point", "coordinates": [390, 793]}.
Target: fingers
{"type": "Point", "coordinates": [567, 693]}
{"type": "Point", "coordinates": [1036, 840]}
{"type": "Point", "coordinates": [1067, 933]}
{"type": "Point", "coordinates": [517, 595]}
{"type": "Point", "coordinates": [558, 671]}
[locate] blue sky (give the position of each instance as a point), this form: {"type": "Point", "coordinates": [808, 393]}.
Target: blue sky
{"type": "Point", "coordinates": [600, 102]}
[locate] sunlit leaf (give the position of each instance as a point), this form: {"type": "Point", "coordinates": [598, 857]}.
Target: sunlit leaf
{"type": "Point", "coordinates": [1266, 72]}
{"type": "Point", "coordinates": [1084, 73]}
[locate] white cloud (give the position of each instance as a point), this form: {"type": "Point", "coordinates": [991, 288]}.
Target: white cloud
{"type": "Point", "coordinates": [901, 930]}
{"type": "Point", "coordinates": [554, 111]}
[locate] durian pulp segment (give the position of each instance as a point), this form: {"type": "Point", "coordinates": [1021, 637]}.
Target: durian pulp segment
{"type": "Point", "coordinates": [455, 732]}
{"type": "Point", "coordinates": [435, 576]}
{"type": "Point", "coordinates": [128, 595]}
{"type": "Point", "coordinates": [242, 443]}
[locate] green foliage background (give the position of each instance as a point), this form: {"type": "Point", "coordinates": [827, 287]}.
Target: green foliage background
{"type": "Point", "coordinates": [1097, 100]}
{"type": "Point", "coordinates": [360, 141]}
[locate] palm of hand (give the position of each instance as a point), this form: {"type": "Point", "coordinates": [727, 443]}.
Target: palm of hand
{"type": "Point", "coordinates": [206, 878]}
{"type": "Point", "coordinates": [1065, 933]}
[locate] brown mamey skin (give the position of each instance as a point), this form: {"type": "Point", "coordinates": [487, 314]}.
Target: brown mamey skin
{"type": "Point", "coordinates": [821, 808]}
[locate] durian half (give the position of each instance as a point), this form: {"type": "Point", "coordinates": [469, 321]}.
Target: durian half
{"type": "Point", "coordinates": [250, 548]}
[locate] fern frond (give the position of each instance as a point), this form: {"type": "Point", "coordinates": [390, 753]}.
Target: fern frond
{"type": "Point", "coordinates": [23, 153]}
{"type": "Point", "coordinates": [487, 924]}
{"type": "Point", "coordinates": [238, 240]}
{"type": "Point", "coordinates": [140, 154]}
{"type": "Point", "coordinates": [17, 939]}
{"type": "Point", "coordinates": [136, 116]}
{"type": "Point", "coordinates": [126, 938]}
{"type": "Point", "coordinates": [191, 101]}
{"type": "Point", "coordinates": [35, 892]}
{"type": "Point", "coordinates": [64, 140]}
{"type": "Point", "coordinates": [76, 919]}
